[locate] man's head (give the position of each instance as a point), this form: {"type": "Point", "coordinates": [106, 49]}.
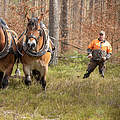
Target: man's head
{"type": "Point", "coordinates": [102, 35]}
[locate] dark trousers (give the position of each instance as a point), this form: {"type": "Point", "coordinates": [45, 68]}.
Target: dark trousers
{"type": "Point", "coordinates": [92, 65]}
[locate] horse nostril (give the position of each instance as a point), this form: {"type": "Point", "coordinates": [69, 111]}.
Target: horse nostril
{"type": "Point", "coordinates": [28, 44]}
{"type": "Point", "coordinates": [33, 45]}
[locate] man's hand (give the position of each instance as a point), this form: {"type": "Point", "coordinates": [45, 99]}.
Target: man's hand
{"type": "Point", "coordinates": [90, 55]}
{"type": "Point", "coordinates": [104, 58]}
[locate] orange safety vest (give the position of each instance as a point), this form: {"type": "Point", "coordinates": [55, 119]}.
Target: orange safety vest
{"type": "Point", "coordinates": [100, 45]}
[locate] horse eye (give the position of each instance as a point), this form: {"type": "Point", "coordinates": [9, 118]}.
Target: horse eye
{"type": "Point", "coordinates": [33, 23]}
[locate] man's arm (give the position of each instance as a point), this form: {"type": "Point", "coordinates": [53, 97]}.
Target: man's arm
{"type": "Point", "coordinates": [109, 52]}
{"type": "Point", "coordinates": [108, 56]}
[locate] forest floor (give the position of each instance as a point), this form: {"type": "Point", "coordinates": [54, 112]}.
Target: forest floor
{"type": "Point", "coordinates": [68, 96]}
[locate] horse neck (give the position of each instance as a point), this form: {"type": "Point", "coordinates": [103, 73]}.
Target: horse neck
{"type": "Point", "coordinates": [2, 39]}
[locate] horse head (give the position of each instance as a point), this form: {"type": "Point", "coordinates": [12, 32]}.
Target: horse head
{"type": "Point", "coordinates": [35, 34]}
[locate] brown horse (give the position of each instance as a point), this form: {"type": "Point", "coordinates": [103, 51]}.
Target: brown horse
{"type": "Point", "coordinates": [36, 48]}
{"type": "Point", "coordinates": [7, 54]}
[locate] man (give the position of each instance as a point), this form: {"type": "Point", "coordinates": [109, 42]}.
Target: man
{"type": "Point", "coordinates": [99, 50]}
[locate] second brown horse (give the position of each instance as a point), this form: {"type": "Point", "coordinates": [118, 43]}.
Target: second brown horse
{"type": "Point", "coordinates": [7, 54]}
{"type": "Point", "coordinates": [36, 51]}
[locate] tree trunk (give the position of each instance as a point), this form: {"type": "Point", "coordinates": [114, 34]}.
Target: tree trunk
{"type": "Point", "coordinates": [33, 5]}
{"type": "Point", "coordinates": [64, 25]}
{"type": "Point", "coordinates": [92, 4]}
{"type": "Point", "coordinates": [81, 22]}
{"type": "Point", "coordinates": [54, 26]}
{"type": "Point", "coordinates": [36, 5]}
{"type": "Point", "coordinates": [5, 7]}
{"type": "Point", "coordinates": [0, 8]}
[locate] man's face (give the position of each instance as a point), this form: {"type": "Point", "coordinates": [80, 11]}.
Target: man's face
{"type": "Point", "coordinates": [101, 36]}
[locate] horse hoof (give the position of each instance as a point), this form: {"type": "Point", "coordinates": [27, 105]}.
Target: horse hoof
{"type": "Point", "coordinates": [44, 88]}
{"type": "Point", "coordinates": [4, 87]}
{"type": "Point", "coordinates": [27, 82]}
{"type": "Point", "coordinates": [5, 83]}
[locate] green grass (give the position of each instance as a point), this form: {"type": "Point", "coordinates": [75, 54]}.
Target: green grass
{"type": "Point", "coordinates": [68, 96]}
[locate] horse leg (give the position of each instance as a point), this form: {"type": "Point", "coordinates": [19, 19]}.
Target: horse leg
{"type": "Point", "coordinates": [6, 75]}
{"type": "Point", "coordinates": [17, 71]}
{"type": "Point", "coordinates": [1, 78]}
{"type": "Point", "coordinates": [43, 77]}
{"type": "Point", "coordinates": [36, 74]}
{"type": "Point", "coordinates": [26, 70]}
{"type": "Point", "coordinates": [5, 81]}
{"type": "Point", "coordinates": [43, 82]}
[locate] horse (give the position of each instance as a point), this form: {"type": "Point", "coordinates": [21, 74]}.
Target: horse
{"type": "Point", "coordinates": [36, 48]}
{"type": "Point", "coordinates": [7, 53]}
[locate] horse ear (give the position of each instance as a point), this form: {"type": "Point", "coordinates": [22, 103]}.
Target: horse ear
{"type": "Point", "coordinates": [28, 17]}
{"type": "Point", "coordinates": [40, 17]}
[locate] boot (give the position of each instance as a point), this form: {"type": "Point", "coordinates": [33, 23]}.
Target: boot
{"type": "Point", "coordinates": [102, 74]}
{"type": "Point", "coordinates": [86, 75]}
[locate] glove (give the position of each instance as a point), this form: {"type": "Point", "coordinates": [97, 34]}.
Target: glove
{"type": "Point", "coordinates": [104, 58]}
{"type": "Point", "coordinates": [108, 56]}
{"type": "Point", "coordinates": [90, 55]}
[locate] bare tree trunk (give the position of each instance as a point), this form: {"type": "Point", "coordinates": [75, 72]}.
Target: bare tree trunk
{"type": "Point", "coordinates": [92, 4]}
{"type": "Point", "coordinates": [5, 7]}
{"type": "Point", "coordinates": [64, 25]}
{"type": "Point", "coordinates": [36, 4]}
{"type": "Point", "coordinates": [33, 5]}
{"type": "Point", "coordinates": [19, 1]}
{"type": "Point", "coordinates": [81, 22]}
{"type": "Point", "coordinates": [101, 14]}
{"type": "Point", "coordinates": [113, 37]}
{"type": "Point", "coordinates": [42, 4]}
{"type": "Point", "coordinates": [54, 26]}
{"type": "Point", "coordinates": [0, 8]}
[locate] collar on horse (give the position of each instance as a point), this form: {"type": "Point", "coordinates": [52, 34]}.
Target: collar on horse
{"type": "Point", "coordinates": [5, 50]}
{"type": "Point", "coordinates": [8, 48]}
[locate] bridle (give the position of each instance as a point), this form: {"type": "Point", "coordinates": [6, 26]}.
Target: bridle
{"type": "Point", "coordinates": [45, 45]}
{"type": "Point", "coordinates": [33, 36]}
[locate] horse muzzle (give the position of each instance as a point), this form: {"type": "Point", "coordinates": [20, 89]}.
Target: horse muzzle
{"type": "Point", "coordinates": [31, 44]}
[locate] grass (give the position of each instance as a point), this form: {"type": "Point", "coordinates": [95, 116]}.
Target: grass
{"type": "Point", "coordinates": [68, 96]}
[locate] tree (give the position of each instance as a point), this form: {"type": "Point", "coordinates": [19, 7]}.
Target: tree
{"type": "Point", "coordinates": [64, 24]}
{"type": "Point", "coordinates": [54, 26]}
{"type": "Point", "coordinates": [0, 8]}
{"type": "Point", "coordinates": [6, 2]}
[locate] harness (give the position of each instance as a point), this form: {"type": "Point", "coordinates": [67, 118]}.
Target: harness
{"type": "Point", "coordinates": [8, 47]}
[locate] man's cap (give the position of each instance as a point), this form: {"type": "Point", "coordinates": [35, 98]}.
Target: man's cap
{"type": "Point", "coordinates": [102, 33]}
